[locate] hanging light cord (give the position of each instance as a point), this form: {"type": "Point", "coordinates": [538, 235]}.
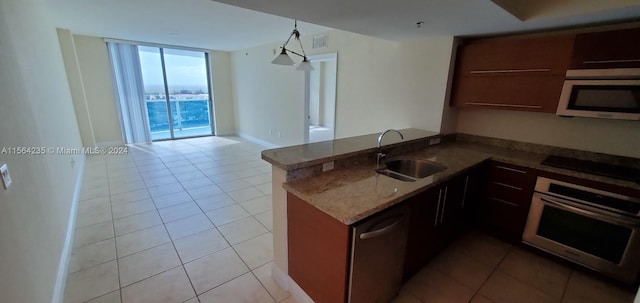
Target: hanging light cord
{"type": "Point", "coordinates": [295, 33]}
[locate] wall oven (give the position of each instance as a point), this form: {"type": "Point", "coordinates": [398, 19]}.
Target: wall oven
{"type": "Point", "coordinates": [601, 93]}
{"type": "Point", "coordinates": [591, 227]}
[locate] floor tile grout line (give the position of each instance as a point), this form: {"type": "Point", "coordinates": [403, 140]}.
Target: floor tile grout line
{"type": "Point", "coordinates": [566, 285]}
{"type": "Point", "coordinates": [493, 271]}
{"type": "Point", "coordinates": [105, 164]}
{"type": "Point", "coordinates": [114, 238]}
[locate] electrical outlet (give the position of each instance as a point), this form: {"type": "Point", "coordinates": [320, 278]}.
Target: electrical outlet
{"type": "Point", "coordinates": [328, 166]}
{"type": "Point", "coordinates": [270, 132]}
{"type": "Point", "coordinates": [279, 135]}
{"type": "Point", "coordinates": [6, 178]}
{"type": "Point", "coordinates": [434, 141]}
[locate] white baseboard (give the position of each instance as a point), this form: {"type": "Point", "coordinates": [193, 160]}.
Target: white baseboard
{"type": "Point", "coordinates": [257, 141]}
{"type": "Point", "coordinates": [281, 278]}
{"type": "Point", "coordinates": [296, 291]}
{"type": "Point", "coordinates": [225, 133]}
{"type": "Point", "coordinates": [63, 267]}
{"type": "Point", "coordinates": [109, 143]}
{"type": "Point", "coordinates": [284, 281]}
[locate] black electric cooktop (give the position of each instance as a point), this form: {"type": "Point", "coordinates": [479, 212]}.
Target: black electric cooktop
{"type": "Point", "coordinates": [595, 168]}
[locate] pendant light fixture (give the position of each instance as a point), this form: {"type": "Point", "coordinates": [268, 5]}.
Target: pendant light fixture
{"type": "Point", "coordinates": [284, 59]}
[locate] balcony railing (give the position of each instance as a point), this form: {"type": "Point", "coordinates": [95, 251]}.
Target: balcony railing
{"type": "Point", "coordinates": [185, 114]}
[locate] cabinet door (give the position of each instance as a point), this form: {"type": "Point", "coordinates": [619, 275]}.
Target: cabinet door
{"type": "Point", "coordinates": [423, 241]}
{"type": "Point", "coordinates": [525, 92]}
{"type": "Point", "coordinates": [523, 74]}
{"type": "Point", "coordinates": [516, 55]}
{"type": "Point", "coordinates": [610, 49]}
{"type": "Point", "coordinates": [322, 273]}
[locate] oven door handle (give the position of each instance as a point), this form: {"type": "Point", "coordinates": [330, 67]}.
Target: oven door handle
{"type": "Point", "coordinates": [613, 218]}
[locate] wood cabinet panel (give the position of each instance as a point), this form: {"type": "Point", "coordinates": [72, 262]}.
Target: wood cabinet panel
{"type": "Point", "coordinates": [508, 192]}
{"type": "Point", "coordinates": [318, 251]}
{"type": "Point", "coordinates": [437, 216]}
{"type": "Point", "coordinates": [539, 93]}
{"type": "Point", "coordinates": [514, 73]}
{"type": "Point", "coordinates": [422, 241]}
{"type": "Point", "coordinates": [517, 54]}
{"type": "Point", "coordinates": [609, 49]}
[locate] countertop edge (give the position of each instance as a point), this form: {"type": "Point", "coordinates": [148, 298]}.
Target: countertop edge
{"type": "Point", "coordinates": [531, 164]}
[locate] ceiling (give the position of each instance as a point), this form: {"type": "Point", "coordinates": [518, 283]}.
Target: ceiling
{"type": "Point", "coordinates": [396, 20]}
{"type": "Point", "coordinates": [194, 23]}
{"type": "Point", "coordinates": [237, 24]}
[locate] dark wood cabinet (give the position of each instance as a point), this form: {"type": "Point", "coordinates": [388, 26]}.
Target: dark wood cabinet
{"type": "Point", "coordinates": [507, 197]}
{"type": "Point", "coordinates": [608, 49]}
{"type": "Point", "coordinates": [423, 241]}
{"type": "Point", "coordinates": [515, 73]}
{"type": "Point", "coordinates": [437, 216]}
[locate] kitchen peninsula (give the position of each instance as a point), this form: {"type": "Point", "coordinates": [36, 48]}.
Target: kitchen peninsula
{"type": "Point", "coordinates": [336, 180]}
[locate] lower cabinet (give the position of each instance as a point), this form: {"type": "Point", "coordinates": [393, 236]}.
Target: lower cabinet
{"type": "Point", "coordinates": [318, 251]}
{"type": "Point", "coordinates": [507, 197]}
{"type": "Point", "coordinates": [437, 216]}
{"type": "Point", "coordinates": [324, 254]}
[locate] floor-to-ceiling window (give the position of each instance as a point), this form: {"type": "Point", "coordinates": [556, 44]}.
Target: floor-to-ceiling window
{"type": "Point", "coordinates": [177, 92]}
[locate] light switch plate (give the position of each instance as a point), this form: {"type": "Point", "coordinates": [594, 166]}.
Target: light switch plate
{"type": "Point", "coordinates": [6, 178]}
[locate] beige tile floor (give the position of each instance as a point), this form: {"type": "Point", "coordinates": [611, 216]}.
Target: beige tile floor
{"type": "Point", "coordinates": [180, 221]}
{"type": "Point", "coordinates": [480, 269]}
{"type": "Point", "coordinates": [190, 221]}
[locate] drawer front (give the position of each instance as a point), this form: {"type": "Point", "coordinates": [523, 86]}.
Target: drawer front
{"type": "Point", "coordinates": [505, 220]}
{"type": "Point", "coordinates": [513, 175]}
{"type": "Point", "coordinates": [508, 194]}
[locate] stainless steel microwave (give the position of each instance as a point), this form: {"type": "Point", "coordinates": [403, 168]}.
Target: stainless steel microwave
{"type": "Point", "coordinates": [601, 93]}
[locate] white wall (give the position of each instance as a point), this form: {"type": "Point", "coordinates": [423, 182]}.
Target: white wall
{"type": "Point", "coordinates": [36, 110]}
{"type": "Point", "coordinates": [94, 68]}
{"type": "Point", "coordinates": [74, 76]}
{"type": "Point", "coordinates": [316, 76]}
{"type": "Point", "coordinates": [381, 84]}
{"type": "Point", "coordinates": [597, 135]}
{"type": "Point", "coordinates": [268, 98]}
{"type": "Point", "coordinates": [96, 78]}
{"type": "Point", "coordinates": [328, 108]}
{"type": "Point", "coordinates": [222, 93]}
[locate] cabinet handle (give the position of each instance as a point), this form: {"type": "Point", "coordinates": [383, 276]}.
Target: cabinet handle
{"type": "Point", "coordinates": [611, 61]}
{"type": "Point", "coordinates": [504, 105]}
{"type": "Point", "coordinates": [507, 185]}
{"type": "Point", "coordinates": [381, 231]}
{"type": "Point", "coordinates": [505, 202]}
{"type": "Point", "coordinates": [444, 204]}
{"type": "Point", "coordinates": [511, 169]}
{"type": "Point", "coordinates": [511, 71]}
{"type": "Point", "coordinates": [435, 222]}
{"type": "Point", "coordinates": [464, 194]}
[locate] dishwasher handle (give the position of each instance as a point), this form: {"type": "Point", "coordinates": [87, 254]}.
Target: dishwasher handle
{"type": "Point", "coordinates": [382, 231]}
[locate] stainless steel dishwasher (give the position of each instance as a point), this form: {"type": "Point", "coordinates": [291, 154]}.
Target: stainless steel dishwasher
{"type": "Point", "coordinates": [377, 256]}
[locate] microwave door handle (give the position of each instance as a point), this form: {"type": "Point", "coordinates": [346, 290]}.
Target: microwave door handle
{"type": "Point", "coordinates": [613, 218]}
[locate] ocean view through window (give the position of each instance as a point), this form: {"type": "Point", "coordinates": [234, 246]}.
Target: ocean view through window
{"type": "Point", "coordinates": [177, 97]}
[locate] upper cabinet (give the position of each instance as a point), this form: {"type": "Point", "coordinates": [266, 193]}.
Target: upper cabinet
{"type": "Point", "coordinates": [610, 49]}
{"type": "Point", "coordinates": [516, 73]}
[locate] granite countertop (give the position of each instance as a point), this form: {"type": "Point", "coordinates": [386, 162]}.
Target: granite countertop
{"type": "Point", "coordinates": [356, 192]}
{"type": "Point", "coordinates": [293, 157]}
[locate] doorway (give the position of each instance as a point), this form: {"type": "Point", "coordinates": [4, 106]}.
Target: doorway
{"type": "Point", "coordinates": [320, 98]}
{"type": "Point", "coordinates": [176, 92]}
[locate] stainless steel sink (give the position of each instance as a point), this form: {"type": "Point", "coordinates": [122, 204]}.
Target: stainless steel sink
{"type": "Point", "coordinates": [410, 170]}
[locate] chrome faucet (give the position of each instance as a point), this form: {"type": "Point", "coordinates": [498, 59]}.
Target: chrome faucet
{"type": "Point", "coordinates": [380, 154]}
